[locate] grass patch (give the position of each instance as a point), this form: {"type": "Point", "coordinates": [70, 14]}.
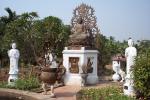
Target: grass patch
{"type": "Point", "coordinates": [107, 93]}
{"type": "Point", "coordinates": [27, 83]}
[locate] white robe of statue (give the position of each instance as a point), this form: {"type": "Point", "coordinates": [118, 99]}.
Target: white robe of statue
{"type": "Point", "coordinates": [14, 57]}
{"type": "Point", "coordinates": [130, 54]}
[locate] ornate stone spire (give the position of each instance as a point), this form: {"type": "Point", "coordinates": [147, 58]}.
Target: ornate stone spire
{"type": "Point", "coordinates": [86, 13]}
{"type": "Point", "coordinates": [83, 26]}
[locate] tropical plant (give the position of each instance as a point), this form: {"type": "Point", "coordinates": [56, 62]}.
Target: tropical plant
{"type": "Point", "coordinates": [142, 75]}
{"type": "Point", "coordinates": [55, 32]}
{"type": "Point", "coordinates": [30, 33]}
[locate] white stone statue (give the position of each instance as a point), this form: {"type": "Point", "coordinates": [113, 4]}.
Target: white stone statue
{"type": "Point", "coordinates": [51, 60]}
{"type": "Point", "coordinates": [14, 57]}
{"type": "Point", "coordinates": [130, 54]}
{"type": "Point", "coordinates": [118, 71]}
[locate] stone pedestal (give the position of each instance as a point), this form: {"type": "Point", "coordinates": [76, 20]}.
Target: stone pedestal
{"type": "Point", "coordinates": [73, 61]}
{"type": "Point", "coordinates": [128, 87]}
{"type": "Point", "coordinates": [12, 78]}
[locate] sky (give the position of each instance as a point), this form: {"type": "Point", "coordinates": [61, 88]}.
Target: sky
{"type": "Point", "coordinates": [118, 18]}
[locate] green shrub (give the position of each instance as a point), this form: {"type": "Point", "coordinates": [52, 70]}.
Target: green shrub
{"type": "Point", "coordinates": [27, 83]}
{"type": "Point", "coordinates": [142, 75]}
{"type": "Point", "coordinates": [107, 93]}
{"type": "Point", "coordinates": [4, 84]}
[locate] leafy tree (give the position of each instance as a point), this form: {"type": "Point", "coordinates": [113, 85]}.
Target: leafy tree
{"type": "Point", "coordinates": [30, 33]}
{"type": "Point", "coordinates": [55, 32]}
{"type": "Point", "coordinates": [4, 20]}
{"type": "Point", "coordinates": [143, 47]}
{"type": "Point", "coordinates": [141, 73]}
{"type": "Point", "coordinates": [21, 31]}
{"type": "Point", "coordinates": [107, 48]}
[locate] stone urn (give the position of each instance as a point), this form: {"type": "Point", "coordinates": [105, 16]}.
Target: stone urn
{"type": "Point", "coordinates": [48, 75]}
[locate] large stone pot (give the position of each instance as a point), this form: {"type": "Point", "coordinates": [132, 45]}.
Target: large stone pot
{"type": "Point", "coordinates": [48, 75]}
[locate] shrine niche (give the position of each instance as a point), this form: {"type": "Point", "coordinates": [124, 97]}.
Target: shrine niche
{"type": "Point", "coordinates": [74, 67]}
{"type": "Point", "coordinates": [83, 27]}
{"type": "Point", "coordinates": [89, 65]}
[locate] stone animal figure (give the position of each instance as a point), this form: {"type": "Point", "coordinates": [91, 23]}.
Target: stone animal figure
{"type": "Point", "coordinates": [118, 70]}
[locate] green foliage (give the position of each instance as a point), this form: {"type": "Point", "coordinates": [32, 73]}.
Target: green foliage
{"type": "Point", "coordinates": [108, 47]}
{"type": "Point", "coordinates": [143, 46]}
{"type": "Point", "coordinates": [142, 74]}
{"type": "Point", "coordinates": [30, 33]}
{"type": "Point", "coordinates": [56, 32]}
{"type": "Point", "coordinates": [107, 93]}
{"type": "Point", "coordinates": [27, 83]}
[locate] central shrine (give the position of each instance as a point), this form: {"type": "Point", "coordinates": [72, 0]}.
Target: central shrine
{"type": "Point", "coordinates": [80, 50]}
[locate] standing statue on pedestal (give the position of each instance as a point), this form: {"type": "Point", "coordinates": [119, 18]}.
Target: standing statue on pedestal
{"type": "Point", "coordinates": [14, 57]}
{"type": "Point", "coordinates": [130, 54]}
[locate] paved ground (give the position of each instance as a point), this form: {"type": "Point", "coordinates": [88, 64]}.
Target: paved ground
{"type": "Point", "coordinates": [63, 93]}
{"type": "Point", "coordinates": [66, 92]}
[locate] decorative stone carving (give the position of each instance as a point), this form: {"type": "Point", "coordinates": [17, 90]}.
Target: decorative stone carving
{"type": "Point", "coordinates": [74, 67]}
{"type": "Point", "coordinates": [86, 68]}
{"type": "Point", "coordinates": [89, 65]}
{"type": "Point", "coordinates": [14, 57]}
{"type": "Point", "coordinates": [116, 64]}
{"type": "Point", "coordinates": [83, 27]}
{"type": "Point", "coordinates": [116, 68]}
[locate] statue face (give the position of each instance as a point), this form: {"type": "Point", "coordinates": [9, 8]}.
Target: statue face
{"type": "Point", "coordinates": [13, 45]}
{"type": "Point", "coordinates": [130, 42]}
